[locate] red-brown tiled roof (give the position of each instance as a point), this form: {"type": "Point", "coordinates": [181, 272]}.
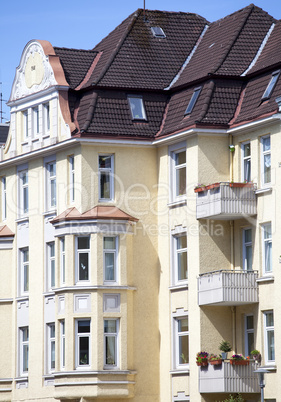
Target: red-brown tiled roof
{"type": "Point", "coordinates": [102, 212]}
{"type": "Point", "coordinates": [6, 232]}
{"type": "Point", "coordinates": [75, 63]}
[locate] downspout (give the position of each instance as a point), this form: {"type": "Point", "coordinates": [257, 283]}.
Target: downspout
{"type": "Point", "coordinates": [233, 308]}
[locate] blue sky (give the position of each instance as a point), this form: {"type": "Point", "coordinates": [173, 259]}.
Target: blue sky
{"type": "Point", "coordinates": [82, 24]}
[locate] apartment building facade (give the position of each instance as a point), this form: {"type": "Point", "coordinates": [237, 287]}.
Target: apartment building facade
{"type": "Point", "coordinates": [139, 207]}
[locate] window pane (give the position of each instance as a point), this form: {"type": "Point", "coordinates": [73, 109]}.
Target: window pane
{"type": "Point", "coordinates": [109, 243]}
{"type": "Point", "coordinates": [26, 278]}
{"type": "Point", "coordinates": [269, 320]}
{"type": "Point", "coordinates": [250, 322]}
{"type": "Point", "coordinates": [105, 185]}
{"type": "Point", "coordinates": [53, 354]}
{"type": "Point", "coordinates": [270, 345]}
{"type": "Point", "coordinates": [248, 262]}
{"type": "Point", "coordinates": [25, 199]}
{"type": "Point", "coordinates": [268, 256]}
{"type": "Point", "coordinates": [247, 150]}
{"type": "Point", "coordinates": [183, 349]}
{"type": "Point", "coordinates": [25, 335]}
{"type": "Point", "coordinates": [53, 193]}
{"type": "Point", "coordinates": [181, 181]}
{"type": "Point", "coordinates": [110, 326]}
{"type": "Point", "coordinates": [266, 144]}
{"type": "Point", "coordinates": [110, 350]}
{"type": "Point", "coordinates": [83, 243]}
{"type": "Point", "coordinates": [105, 162]}
{"type": "Point", "coordinates": [180, 158]}
{"type": "Point", "coordinates": [25, 358]}
{"type": "Point", "coordinates": [267, 231]}
{"type": "Point", "coordinates": [83, 266]}
{"type": "Point", "coordinates": [137, 110]}
{"type": "Point", "coordinates": [267, 168]}
{"type": "Point", "coordinates": [83, 326]}
{"type": "Point", "coordinates": [182, 265]}
{"type": "Point", "coordinates": [248, 235]}
{"type": "Point", "coordinates": [181, 242]}
{"type": "Point", "coordinates": [83, 350]}
{"type": "Point", "coordinates": [251, 344]}
{"type": "Point", "coordinates": [109, 266]}
{"type": "Point", "coordinates": [183, 324]}
{"type": "Point", "coordinates": [247, 170]}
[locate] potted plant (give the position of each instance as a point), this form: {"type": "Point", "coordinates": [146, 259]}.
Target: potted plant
{"type": "Point", "coordinates": [202, 359]}
{"type": "Point", "coordinates": [215, 360]}
{"type": "Point", "coordinates": [255, 354]}
{"type": "Point", "coordinates": [225, 347]}
{"type": "Point", "coordinates": [239, 360]}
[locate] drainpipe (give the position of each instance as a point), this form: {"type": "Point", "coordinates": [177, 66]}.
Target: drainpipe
{"type": "Point", "coordinates": [233, 309]}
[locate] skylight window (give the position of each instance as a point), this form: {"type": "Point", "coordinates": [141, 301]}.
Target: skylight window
{"type": "Point", "coordinates": [137, 107]}
{"type": "Point", "coordinates": [271, 85]}
{"type": "Point", "coordinates": [192, 101]}
{"type": "Point", "coordinates": [158, 32]}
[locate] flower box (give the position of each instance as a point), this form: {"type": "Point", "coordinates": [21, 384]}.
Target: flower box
{"type": "Point", "coordinates": [241, 185]}
{"type": "Point", "coordinates": [203, 363]}
{"type": "Point", "coordinates": [239, 362]}
{"type": "Point", "coordinates": [215, 362]}
{"type": "Point", "coordinates": [205, 188]}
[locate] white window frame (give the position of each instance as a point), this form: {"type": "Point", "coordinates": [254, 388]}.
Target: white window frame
{"type": "Point", "coordinates": [266, 248]}
{"type": "Point", "coordinates": [110, 173]}
{"type": "Point", "coordinates": [265, 154]}
{"type": "Point", "coordinates": [248, 331]}
{"type": "Point", "coordinates": [78, 336]}
{"type": "Point", "coordinates": [35, 120]}
{"type": "Point", "coordinates": [51, 185]}
{"type": "Point", "coordinates": [62, 344]}
{"type": "Point", "coordinates": [71, 161]}
{"type": "Point", "coordinates": [114, 336]}
{"type": "Point", "coordinates": [23, 344]}
{"type": "Point", "coordinates": [174, 150]}
{"type": "Point", "coordinates": [24, 269]}
{"type": "Point", "coordinates": [25, 124]}
{"type": "Point", "coordinates": [113, 251]}
{"type": "Point", "coordinates": [268, 329]}
{"type": "Point", "coordinates": [176, 340]}
{"type": "Point", "coordinates": [46, 117]}
{"type": "Point", "coordinates": [246, 245]}
{"type": "Point", "coordinates": [23, 193]}
{"type": "Point", "coordinates": [51, 347]}
{"type": "Point", "coordinates": [4, 198]}
{"type": "Point", "coordinates": [246, 160]}
{"type": "Point", "coordinates": [62, 260]}
{"type": "Point", "coordinates": [176, 252]}
{"type": "Point", "coordinates": [82, 251]}
{"type": "Point", "coordinates": [51, 265]}
{"type": "Point", "coordinates": [134, 116]}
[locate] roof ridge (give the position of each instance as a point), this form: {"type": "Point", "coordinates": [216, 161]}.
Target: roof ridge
{"type": "Point", "coordinates": [120, 43]}
{"type": "Point", "coordinates": [234, 37]}
{"type": "Point", "coordinates": [77, 50]}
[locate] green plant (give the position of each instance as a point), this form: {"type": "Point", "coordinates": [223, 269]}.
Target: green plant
{"type": "Point", "coordinates": [225, 346]}
{"type": "Point", "coordinates": [237, 357]}
{"type": "Point", "coordinates": [235, 398]}
{"type": "Point", "coordinates": [214, 357]}
{"type": "Point", "coordinates": [255, 352]}
{"type": "Point", "coordinates": [202, 356]}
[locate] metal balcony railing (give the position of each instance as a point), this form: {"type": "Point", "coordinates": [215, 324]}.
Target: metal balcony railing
{"type": "Point", "coordinates": [228, 378]}
{"type": "Point", "coordinates": [226, 200]}
{"type": "Point", "coordinates": [228, 288]}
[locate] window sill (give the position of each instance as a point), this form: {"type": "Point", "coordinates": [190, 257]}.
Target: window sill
{"type": "Point", "coordinates": [22, 298]}
{"type": "Point", "coordinates": [50, 212]}
{"type": "Point", "coordinates": [22, 219]}
{"type": "Point", "coordinates": [177, 203]}
{"type": "Point", "coordinates": [269, 278]}
{"type": "Point", "coordinates": [89, 287]}
{"type": "Point", "coordinates": [182, 286]}
{"type": "Point", "coordinates": [263, 190]}
{"type": "Point", "coordinates": [270, 367]}
{"type": "Point", "coordinates": [180, 371]}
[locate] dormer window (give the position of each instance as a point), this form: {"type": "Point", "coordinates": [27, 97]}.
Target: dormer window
{"type": "Point", "coordinates": [137, 107]}
{"type": "Point", "coordinates": [192, 101]}
{"type": "Point", "coordinates": [271, 85]}
{"type": "Point", "coordinates": [158, 32]}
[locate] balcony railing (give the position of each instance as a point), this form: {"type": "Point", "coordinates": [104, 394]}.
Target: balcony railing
{"type": "Point", "coordinates": [228, 378]}
{"type": "Point", "coordinates": [227, 288]}
{"type": "Point", "coordinates": [226, 200]}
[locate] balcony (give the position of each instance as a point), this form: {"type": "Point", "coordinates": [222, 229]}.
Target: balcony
{"type": "Point", "coordinates": [228, 378]}
{"type": "Point", "coordinates": [227, 288]}
{"type": "Point", "coordinates": [226, 201]}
